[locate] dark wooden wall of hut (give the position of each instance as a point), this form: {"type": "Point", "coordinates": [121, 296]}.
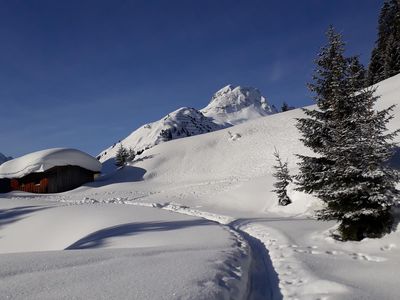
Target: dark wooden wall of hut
{"type": "Point", "coordinates": [55, 180]}
{"type": "Point", "coordinates": [5, 185]}
{"type": "Point", "coordinates": [66, 178]}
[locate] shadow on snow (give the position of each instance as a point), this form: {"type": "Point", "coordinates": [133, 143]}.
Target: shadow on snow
{"type": "Point", "coordinates": [98, 238]}
{"type": "Point", "coordinates": [11, 215]}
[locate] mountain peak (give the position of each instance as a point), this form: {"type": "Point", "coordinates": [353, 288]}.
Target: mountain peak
{"type": "Point", "coordinates": [236, 104]}
{"type": "Point", "coordinates": [226, 89]}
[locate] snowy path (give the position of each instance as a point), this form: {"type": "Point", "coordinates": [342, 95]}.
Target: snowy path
{"type": "Point", "coordinates": [276, 272]}
{"type": "Point", "coordinates": [302, 261]}
{"type": "Point", "coordinates": [264, 282]}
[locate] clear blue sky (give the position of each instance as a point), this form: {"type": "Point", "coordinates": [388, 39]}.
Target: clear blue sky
{"type": "Point", "coordinates": [84, 74]}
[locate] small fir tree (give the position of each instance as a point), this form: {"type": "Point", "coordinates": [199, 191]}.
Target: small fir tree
{"type": "Point", "coordinates": [285, 107]}
{"type": "Point", "coordinates": [283, 179]}
{"type": "Point", "coordinates": [131, 155]}
{"type": "Point", "coordinates": [122, 156]}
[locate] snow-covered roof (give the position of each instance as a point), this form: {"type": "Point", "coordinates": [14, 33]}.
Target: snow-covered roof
{"type": "Point", "coordinates": [41, 161]}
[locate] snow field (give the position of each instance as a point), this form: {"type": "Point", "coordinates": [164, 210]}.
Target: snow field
{"type": "Point", "coordinates": [116, 251]}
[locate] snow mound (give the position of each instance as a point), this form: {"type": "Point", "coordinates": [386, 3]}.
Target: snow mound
{"type": "Point", "coordinates": [229, 106]}
{"type": "Point", "coordinates": [41, 161]}
{"type": "Point", "coordinates": [233, 105]}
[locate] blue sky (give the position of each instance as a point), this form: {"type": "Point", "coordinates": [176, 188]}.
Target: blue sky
{"type": "Point", "coordinates": [84, 74]}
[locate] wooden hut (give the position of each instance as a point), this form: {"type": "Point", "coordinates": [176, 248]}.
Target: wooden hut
{"type": "Point", "coordinates": [48, 171]}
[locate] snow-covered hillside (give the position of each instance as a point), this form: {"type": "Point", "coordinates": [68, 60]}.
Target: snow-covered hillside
{"type": "Point", "coordinates": [229, 106]}
{"type": "Point", "coordinates": [242, 154]}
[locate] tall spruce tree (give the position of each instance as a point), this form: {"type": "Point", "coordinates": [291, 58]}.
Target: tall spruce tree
{"type": "Point", "coordinates": [383, 62]}
{"type": "Point", "coordinates": [283, 179]}
{"type": "Point", "coordinates": [329, 88]}
{"type": "Point", "coordinates": [350, 173]}
{"type": "Point", "coordinates": [391, 65]}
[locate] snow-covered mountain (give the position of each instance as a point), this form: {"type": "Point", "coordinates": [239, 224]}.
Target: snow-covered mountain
{"type": "Point", "coordinates": [181, 123]}
{"type": "Point", "coordinates": [229, 106]}
{"type": "Point", "coordinates": [4, 158]}
{"type": "Point", "coordinates": [234, 105]}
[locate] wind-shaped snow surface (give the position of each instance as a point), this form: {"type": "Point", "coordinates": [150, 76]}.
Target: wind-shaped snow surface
{"type": "Point", "coordinates": [41, 161]}
{"type": "Point", "coordinates": [234, 105]}
{"type": "Point", "coordinates": [4, 158]}
{"type": "Point", "coordinates": [229, 106]}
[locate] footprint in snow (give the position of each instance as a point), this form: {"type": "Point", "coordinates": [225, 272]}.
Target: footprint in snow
{"type": "Point", "coordinates": [388, 247]}
{"type": "Point", "coordinates": [307, 251]}
{"type": "Point", "coordinates": [334, 252]}
{"type": "Point", "coordinates": [234, 136]}
{"type": "Point", "coordinates": [361, 256]}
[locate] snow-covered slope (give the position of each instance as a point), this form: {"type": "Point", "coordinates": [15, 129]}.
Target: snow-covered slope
{"type": "Point", "coordinates": [228, 172]}
{"type": "Point", "coordinates": [243, 154]}
{"type": "Point", "coordinates": [4, 158]}
{"type": "Point", "coordinates": [229, 106]}
{"type": "Point", "coordinates": [233, 105]}
{"type": "Point", "coordinates": [43, 160]}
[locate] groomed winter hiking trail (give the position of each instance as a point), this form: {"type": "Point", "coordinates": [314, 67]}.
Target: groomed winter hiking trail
{"type": "Point", "coordinates": [275, 272]}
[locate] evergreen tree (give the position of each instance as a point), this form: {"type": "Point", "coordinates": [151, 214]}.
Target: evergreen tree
{"type": "Point", "coordinates": [285, 107]}
{"type": "Point", "coordinates": [131, 155]}
{"type": "Point", "coordinates": [388, 37]}
{"type": "Point", "coordinates": [282, 180]}
{"type": "Point", "coordinates": [358, 70]}
{"type": "Point", "coordinates": [122, 156]}
{"type": "Point", "coordinates": [392, 58]}
{"type": "Point", "coordinates": [350, 173]}
{"type": "Point", "coordinates": [166, 134]}
{"type": "Point", "coordinates": [329, 88]}
{"type": "Point", "coordinates": [375, 68]}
